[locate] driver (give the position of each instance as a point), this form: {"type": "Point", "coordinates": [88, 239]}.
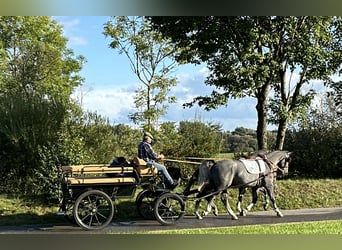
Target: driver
{"type": "Point", "coordinates": [146, 152]}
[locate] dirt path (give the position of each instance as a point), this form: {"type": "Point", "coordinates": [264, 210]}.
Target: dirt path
{"type": "Point", "coordinates": [129, 226]}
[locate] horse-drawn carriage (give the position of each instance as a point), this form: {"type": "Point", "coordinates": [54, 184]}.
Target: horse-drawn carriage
{"type": "Point", "coordinates": [89, 190]}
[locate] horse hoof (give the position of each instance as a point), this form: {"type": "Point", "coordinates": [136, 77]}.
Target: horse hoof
{"type": "Point", "coordinates": [234, 217]}
{"type": "Point", "coordinates": [198, 216]}
{"type": "Point", "coordinates": [243, 213]}
{"type": "Point", "coordinates": [215, 213]}
{"type": "Point", "coordinates": [280, 215]}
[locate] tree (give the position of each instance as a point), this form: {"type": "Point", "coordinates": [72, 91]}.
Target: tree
{"type": "Point", "coordinates": [251, 56]}
{"type": "Point", "coordinates": [316, 140]}
{"type": "Point", "coordinates": [38, 74]}
{"type": "Point", "coordinates": [36, 58]}
{"type": "Point", "coordinates": [150, 57]}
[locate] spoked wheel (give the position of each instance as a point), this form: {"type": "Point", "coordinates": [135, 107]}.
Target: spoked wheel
{"type": "Point", "coordinates": [145, 204]}
{"type": "Point", "coordinates": [93, 209]}
{"type": "Point", "coordinates": [169, 208]}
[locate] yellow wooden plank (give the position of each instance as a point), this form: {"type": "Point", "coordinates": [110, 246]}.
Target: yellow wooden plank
{"type": "Point", "coordinates": [115, 180]}
{"type": "Point", "coordinates": [83, 169]}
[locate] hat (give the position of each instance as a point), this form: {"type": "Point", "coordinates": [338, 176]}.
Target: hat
{"type": "Point", "coordinates": [148, 134]}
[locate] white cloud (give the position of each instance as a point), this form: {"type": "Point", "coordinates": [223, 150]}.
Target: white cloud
{"type": "Point", "coordinates": [70, 27]}
{"type": "Point", "coordinates": [114, 103]}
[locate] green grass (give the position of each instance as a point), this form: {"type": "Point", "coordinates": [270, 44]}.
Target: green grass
{"type": "Point", "coordinates": [291, 194]}
{"type": "Point", "coordinates": [322, 227]}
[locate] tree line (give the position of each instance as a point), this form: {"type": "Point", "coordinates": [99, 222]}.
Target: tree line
{"type": "Point", "coordinates": [42, 127]}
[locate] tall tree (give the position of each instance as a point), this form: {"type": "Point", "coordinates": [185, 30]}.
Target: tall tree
{"type": "Point", "coordinates": [251, 56]}
{"type": "Point", "coordinates": [36, 56]}
{"type": "Point", "coordinates": [38, 74]}
{"type": "Point", "coordinates": [150, 57]}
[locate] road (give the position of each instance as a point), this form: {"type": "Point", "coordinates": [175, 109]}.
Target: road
{"type": "Point", "coordinates": [137, 225]}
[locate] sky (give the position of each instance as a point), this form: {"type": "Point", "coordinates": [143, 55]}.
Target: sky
{"type": "Point", "coordinates": [110, 83]}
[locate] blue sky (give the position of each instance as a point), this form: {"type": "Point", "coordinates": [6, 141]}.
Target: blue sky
{"type": "Point", "coordinates": [110, 84]}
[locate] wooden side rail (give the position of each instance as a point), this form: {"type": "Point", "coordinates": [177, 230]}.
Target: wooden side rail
{"type": "Point", "coordinates": [101, 180]}
{"type": "Point", "coordinates": [96, 169]}
{"type": "Point", "coordinates": [142, 169]}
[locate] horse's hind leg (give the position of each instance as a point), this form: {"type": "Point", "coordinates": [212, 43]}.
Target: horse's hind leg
{"type": "Point", "coordinates": [197, 204]}
{"type": "Point", "coordinates": [214, 206]}
{"type": "Point", "coordinates": [254, 201]}
{"type": "Point", "coordinates": [224, 199]}
{"type": "Point", "coordinates": [266, 199]}
{"type": "Point", "coordinates": [210, 205]}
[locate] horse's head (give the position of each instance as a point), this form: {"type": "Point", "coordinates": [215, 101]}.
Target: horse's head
{"type": "Point", "coordinates": [204, 174]}
{"type": "Point", "coordinates": [282, 160]}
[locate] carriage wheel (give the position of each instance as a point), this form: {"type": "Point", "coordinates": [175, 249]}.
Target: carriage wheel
{"type": "Point", "coordinates": [169, 208]}
{"type": "Point", "coordinates": [145, 204]}
{"type": "Point", "coordinates": [93, 209]}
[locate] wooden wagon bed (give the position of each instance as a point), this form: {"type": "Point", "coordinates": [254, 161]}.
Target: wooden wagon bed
{"type": "Point", "coordinates": [105, 174]}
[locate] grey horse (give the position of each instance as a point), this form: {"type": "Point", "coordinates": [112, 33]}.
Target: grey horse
{"type": "Point", "coordinates": [233, 174]}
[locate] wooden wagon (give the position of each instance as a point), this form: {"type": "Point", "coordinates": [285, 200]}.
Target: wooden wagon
{"type": "Point", "coordinates": [89, 192]}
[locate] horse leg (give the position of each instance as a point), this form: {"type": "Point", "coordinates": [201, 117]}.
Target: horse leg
{"type": "Point", "coordinates": [270, 193]}
{"type": "Point", "coordinates": [210, 204]}
{"type": "Point", "coordinates": [254, 200]}
{"type": "Point", "coordinates": [214, 206]}
{"type": "Point", "coordinates": [224, 199]}
{"type": "Point", "coordinates": [266, 199]}
{"type": "Point", "coordinates": [242, 191]}
{"type": "Point", "coordinates": [197, 204]}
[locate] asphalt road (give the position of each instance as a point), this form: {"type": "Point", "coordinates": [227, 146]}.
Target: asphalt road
{"type": "Point", "coordinates": [137, 225]}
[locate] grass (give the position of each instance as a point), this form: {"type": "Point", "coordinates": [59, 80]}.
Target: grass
{"type": "Point", "coordinates": [291, 194]}
{"type": "Point", "coordinates": [322, 227]}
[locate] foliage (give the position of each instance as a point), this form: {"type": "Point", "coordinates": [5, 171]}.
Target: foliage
{"type": "Point", "coordinates": [241, 140]}
{"type": "Point", "coordinates": [317, 142]}
{"type": "Point", "coordinates": [150, 57]}
{"type": "Point", "coordinates": [252, 55]}
{"type": "Point", "coordinates": [37, 78]}
{"type": "Point", "coordinates": [29, 128]}
{"type": "Point", "coordinates": [35, 57]}
{"type": "Point", "coordinates": [125, 141]}
{"type": "Point", "coordinates": [98, 138]}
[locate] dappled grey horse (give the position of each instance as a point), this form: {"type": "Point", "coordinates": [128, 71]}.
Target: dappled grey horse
{"type": "Point", "coordinates": [233, 174]}
{"type": "Point", "coordinates": [205, 194]}
{"type": "Point", "coordinates": [282, 170]}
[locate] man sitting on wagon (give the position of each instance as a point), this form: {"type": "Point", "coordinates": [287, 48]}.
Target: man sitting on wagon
{"type": "Point", "coordinates": [146, 152]}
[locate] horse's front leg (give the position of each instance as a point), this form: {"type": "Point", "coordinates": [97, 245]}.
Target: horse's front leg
{"type": "Point", "coordinates": [270, 193]}
{"type": "Point", "coordinates": [224, 199]}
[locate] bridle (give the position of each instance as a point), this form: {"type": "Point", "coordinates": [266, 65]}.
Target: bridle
{"type": "Point", "coordinates": [275, 167]}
